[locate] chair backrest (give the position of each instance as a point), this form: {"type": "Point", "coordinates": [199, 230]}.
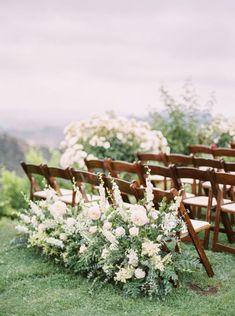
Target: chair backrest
{"type": "Point", "coordinates": [157, 170]}
{"type": "Point", "coordinates": [201, 149]}
{"type": "Point", "coordinates": [179, 160]}
{"type": "Point", "coordinates": [53, 174]}
{"type": "Point", "coordinates": [117, 168]}
{"type": "Point", "coordinates": [221, 178]}
{"type": "Point", "coordinates": [158, 194]}
{"type": "Point", "coordinates": [232, 145]}
{"type": "Point", "coordinates": [31, 170]}
{"type": "Point", "coordinates": [208, 162]}
{"type": "Point", "coordinates": [151, 157]}
{"type": "Point", "coordinates": [95, 165]}
{"type": "Point", "coordinates": [186, 172]}
{"type": "Point", "coordinates": [228, 166]}
{"type": "Point", "coordinates": [124, 187]}
{"type": "Point", "coordinates": [221, 152]}
{"type": "Point", "coordinates": [82, 178]}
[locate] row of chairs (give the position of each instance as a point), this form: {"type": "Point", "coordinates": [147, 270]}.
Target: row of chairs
{"type": "Point", "coordinates": [175, 174]}
{"type": "Point", "coordinates": [129, 189]}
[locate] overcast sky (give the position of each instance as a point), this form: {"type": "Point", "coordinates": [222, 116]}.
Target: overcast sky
{"type": "Point", "coordinates": [67, 59]}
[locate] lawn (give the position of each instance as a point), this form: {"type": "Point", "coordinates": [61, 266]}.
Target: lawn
{"type": "Point", "coordinates": [32, 285]}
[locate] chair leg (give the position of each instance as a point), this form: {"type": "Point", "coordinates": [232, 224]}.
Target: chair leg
{"type": "Point", "coordinates": [227, 226]}
{"type": "Point", "coordinates": [199, 248]}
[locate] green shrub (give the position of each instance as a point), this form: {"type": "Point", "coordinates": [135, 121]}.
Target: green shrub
{"type": "Point", "coordinates": [12, 190]}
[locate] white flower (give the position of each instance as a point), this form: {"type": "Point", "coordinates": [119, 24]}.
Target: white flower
{"type": "Point", "coordinates": [42, 227]}
{"type": "Point", "coordinates": [134, 231]}
{"type": "Point", "coordinates": [83, 248]}
{"type": "Point", "coordinates": [158, 262]}
{"type": "Point", "coordinates": [109, 236]}
{"type": "Point", "coordinates": [150, 248]}
{"type": "Point", "coordinates": [124, 274]}
{"type": "Point", "coordinates": [120, 231]}
{"type": "Point", "coordinates": [35, 208]}
{"type": "Point", "coordinates": [63, 237]}
{"type": "Point", "coordinates": [93, 229]}
{"type": "Point", "coordinates": [22, 229]}
{"type": "Point", "coordinates": [133, 258]}
{"type": "Point", "coordinates": [25, 218]}
{"type": "Point", "coordinates": [58, 209]}
{"type": "Point", "coordinates": [139, 273]}
{"type": "Point", "coordinates": [94, 212]}
{"type": "Point", "coordinates": [154, 214]}
{"type": "Point", "coordinates": [107, 225]}
{"type": "Point", "coordinates": [139, 215]}
{"type": "Point", "coordinates": [104, 253]}
{"type": "Point", "coordinates": [170, 222]}
{"type": "Point", "coordinates": [55, 242]}
{"type": "Point", "coordinates": [70, 222]}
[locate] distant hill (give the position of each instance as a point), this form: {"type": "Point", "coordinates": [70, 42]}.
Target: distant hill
{"type": "Point", "coordinates": [13, 150]}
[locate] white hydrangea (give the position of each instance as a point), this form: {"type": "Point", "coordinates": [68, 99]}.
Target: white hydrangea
{"type": "Point", "coordinates": [124, 274]}
{"type": "Point", "coordinates": [55, 242]}
{"type": "Point", "coordinates": [139, 273]}
{"type": "Point", "coordinates": [132, 258]}
{"type": "Point", "coordinates": [150, 248]}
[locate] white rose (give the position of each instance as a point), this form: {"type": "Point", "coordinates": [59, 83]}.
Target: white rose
{"type": "Point", "coordinates": [83, 248]}
{"type": "Point", "coordinates": [63, 236]}
{"type": "Point", "coordinates": [93, 230]}
{"type": "Point", "coordinates": [120, 231]}
{"type": "Point", "coordinates": [134, 231]}
{"type": "Point", "coordinates": [139, 215]}
{"type": "Point", "coordinates": [139, 273]}
{"type": "Point", "coordinates": [58, 209]}
{"type": "Point", "coordinates": [94, 212]}
{"type": "Point", "coordinates": [70, 222]}
{"type": "Point", "coordinates": [107, 225]}
{"type": "Point", "coordinates": [154, 215]}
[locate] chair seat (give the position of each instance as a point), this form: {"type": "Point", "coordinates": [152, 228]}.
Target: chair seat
{"type": "Point", "coordinates": [189, 181]}
{"type": "Point", "coordinates": [68, 198]}
{"type": "Point", "coordinates": [66, 191]}
{"type": "Point", "coordinates": [198, 227]}
{"type": "Point", "coordinates": [40, 194]}
{"type": "Point", "coordinates": [202, 201]}
{"type": "Point", "coordinates": [207, 185]}
{"type": "Point", "coordinates": [229, 208]}
{"type": "Point", "coordinates": [189, 195]}
{"type": "Point", "coordinates": [156, 177]}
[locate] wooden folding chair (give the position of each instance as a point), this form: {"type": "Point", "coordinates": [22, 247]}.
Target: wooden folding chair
{"type": "Point", "coordinates": [222, 210]}
{"type": "Point", "coordinates": [56, 175]}
{"type": "Point", "coordinates": [126, 171]}
{"type": "Point", "coordinates": [225, 153]}
{"type": "Point", "coordinates": [193, 226]}
{"type": "Point", "coordinates": [201, 150]}
{"type": "Point", "coordinates": [206, 163]}
{"type": "Point", "coordinates": [155, 159]}
{"type": "Point", "coordinates": [208, 202]}
{"type": "Point", "coordinates": [83, 180]}
{"type": "Point", "coordinates": [124, 187]}
{"type": "Point", "coordinates": [32, 171]}
{"type": "Point", "coordinates": [95, 165]}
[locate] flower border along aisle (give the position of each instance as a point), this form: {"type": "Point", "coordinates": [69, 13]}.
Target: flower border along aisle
{"type": "Point", "coordinates": [136, 246]}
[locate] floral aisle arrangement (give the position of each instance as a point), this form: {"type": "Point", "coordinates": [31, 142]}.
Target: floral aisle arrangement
{"type": "Point", "coordinates": [104, 136]}
{"type": "Point", "coordinates": [135, 247]}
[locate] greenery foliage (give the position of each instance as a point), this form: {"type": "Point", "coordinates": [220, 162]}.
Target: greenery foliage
{"type": "Point", "coordinates": [184, 122]}
{"type": "Point", "coordinates": [32, 285]}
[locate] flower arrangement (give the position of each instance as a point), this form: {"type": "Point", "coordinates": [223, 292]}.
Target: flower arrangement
{"type": "Point", "coordinates": [137, 246]}
{"type": "Point", "coordinates": [103, 136]}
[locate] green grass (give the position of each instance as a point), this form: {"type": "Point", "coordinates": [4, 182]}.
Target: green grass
{"type": "Point", "coordinates": [31, 285]}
